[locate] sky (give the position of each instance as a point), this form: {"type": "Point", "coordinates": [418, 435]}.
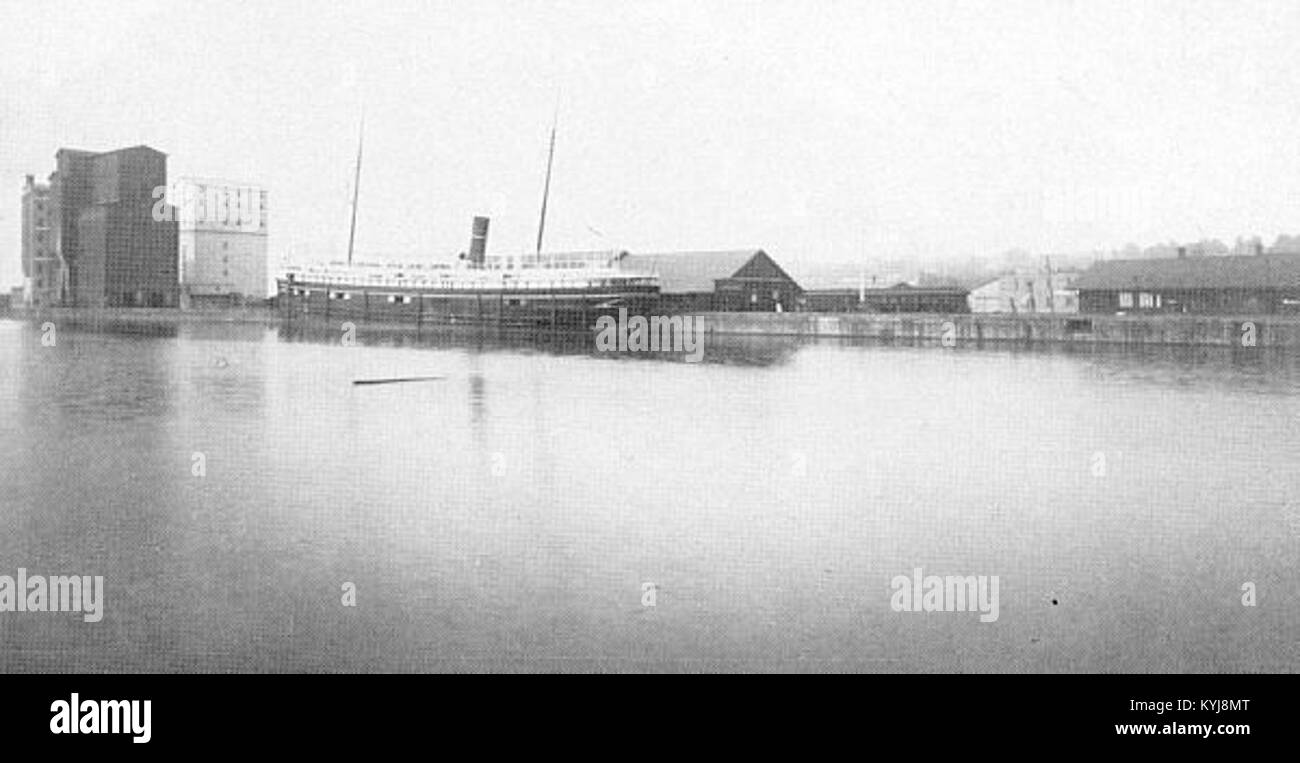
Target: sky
{"type": "Point", "coordinates": [818, 130]}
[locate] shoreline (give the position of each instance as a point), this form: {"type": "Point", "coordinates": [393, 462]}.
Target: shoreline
{"type": "Point", "coordinates": [146, 315]}
{"type": "Point", "coordinates": [1250, 332]}
{"type": "Point", "coordinates": [1269, 331]}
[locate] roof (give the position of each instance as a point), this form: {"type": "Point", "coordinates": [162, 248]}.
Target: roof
{"type": "Point", "coordinates": [895, 290]}
{"type": "Point", "coordinates": [907, 288]}
{"type": "Point", "coordinates": [686, 272]}
{"type": "Point", "coordinates": [1267, 271]}
{"type": "Point", "coordinates": [84, 152]}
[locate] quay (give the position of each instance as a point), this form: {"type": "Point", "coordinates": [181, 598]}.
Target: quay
{"type": "Point", "coordinates": [98, 317]}
{"type": "Point", "coordinates": [978, 328]}
{"type": "Point", "coordinates": [966, 329]}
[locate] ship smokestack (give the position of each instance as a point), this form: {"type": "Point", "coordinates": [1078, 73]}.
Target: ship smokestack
{"type": "Point", "coordinates": [478, 242]}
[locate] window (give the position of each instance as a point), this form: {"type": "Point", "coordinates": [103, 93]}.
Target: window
{"type": "Point", "coordinates": [1145, 301]}
{"type": "Point", "coordinates": [1126, 299]}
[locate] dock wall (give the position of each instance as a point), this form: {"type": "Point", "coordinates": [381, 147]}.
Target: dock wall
{"type": "Point", "coordinates": [86, 316]}
{"type": "Point", "coordinates": [962, 329]}
{"type": "Point", "coordinates": [1219, 331]}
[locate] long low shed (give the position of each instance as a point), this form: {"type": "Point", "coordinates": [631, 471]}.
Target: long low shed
{"type": "Point", "coordinates": [901, 298]}
{"type": "Point", "coordinates": [1265, 284]}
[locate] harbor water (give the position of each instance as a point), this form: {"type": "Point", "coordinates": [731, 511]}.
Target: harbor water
{"type": "Point", "coordinates": [543, 505]}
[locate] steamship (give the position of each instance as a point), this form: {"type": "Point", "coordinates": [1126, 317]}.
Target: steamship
{"type": "Point", "coordinates": [528, 291]}
{"type": "Point", "coordinates": [566, 290]}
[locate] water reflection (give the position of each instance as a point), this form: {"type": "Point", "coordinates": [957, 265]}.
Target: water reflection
{"type": "Point", "coordinates": [718, 349]}
{"type": "Point", "coordinates": [91, 471]}
{"type": "Point", "coordinates": [477, 396]}
{"type": "Point", "coordinates": [1268, 370]}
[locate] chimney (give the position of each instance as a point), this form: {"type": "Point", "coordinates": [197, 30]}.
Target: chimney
{"type": "Point", "coordinates": [478, 243]}
{"type": "Point", "coordinates": [1182, 252]}
{"type": "Point", "coordinates": [1259, 248]}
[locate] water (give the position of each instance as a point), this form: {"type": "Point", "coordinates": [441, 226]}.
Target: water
{"type": "Point", "coordinates": [508, 516]}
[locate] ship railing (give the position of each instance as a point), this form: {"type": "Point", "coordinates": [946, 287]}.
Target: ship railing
{"type": "Point", "coordinates": [469, 284]}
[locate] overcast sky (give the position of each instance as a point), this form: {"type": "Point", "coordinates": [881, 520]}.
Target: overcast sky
{"type": "Point", "coordinates": [817, 130]}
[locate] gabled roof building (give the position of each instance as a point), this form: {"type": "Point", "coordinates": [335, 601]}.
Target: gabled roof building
{"type": "Point", "coordinates": [746, 280]}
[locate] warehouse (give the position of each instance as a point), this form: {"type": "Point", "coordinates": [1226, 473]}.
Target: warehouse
{"type": "Point", "coordinates": [900, 298]}
{"type": "Point", "coordinates": [1264, 284]}
{"type": "Point", "coordinates": [746, 280]}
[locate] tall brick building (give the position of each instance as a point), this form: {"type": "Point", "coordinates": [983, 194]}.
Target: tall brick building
{"type": "Point", "coordinates": [119, 251]}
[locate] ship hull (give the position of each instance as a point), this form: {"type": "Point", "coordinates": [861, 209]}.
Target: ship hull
{"type": "Point", "coordinates": [572, 309]}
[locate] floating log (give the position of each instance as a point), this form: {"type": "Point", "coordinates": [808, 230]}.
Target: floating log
{"type": "Point", "coordinates": [399, 380]}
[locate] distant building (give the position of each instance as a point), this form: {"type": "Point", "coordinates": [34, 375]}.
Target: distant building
{"type": "Point", "coordinates": [43, 273]}
{"type": "Point", "coordinates": [900, 298]}
{"type": "Point", "coordinates": [222, 240]}
{"type": "Point", "coordinates": [1027, 292]}
{"type": "Point", "coordinates": [1262, 284]}
{"type": "Point", "coordinates": [116, 237]}
{"type": "Point", "coordinates": [735, 281]}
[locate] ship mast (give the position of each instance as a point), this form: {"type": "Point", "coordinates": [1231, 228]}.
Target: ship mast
{"type": "Point", "coordinates": [546, 189]}
{"type": "Point", "coordinates": [356, 188]}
